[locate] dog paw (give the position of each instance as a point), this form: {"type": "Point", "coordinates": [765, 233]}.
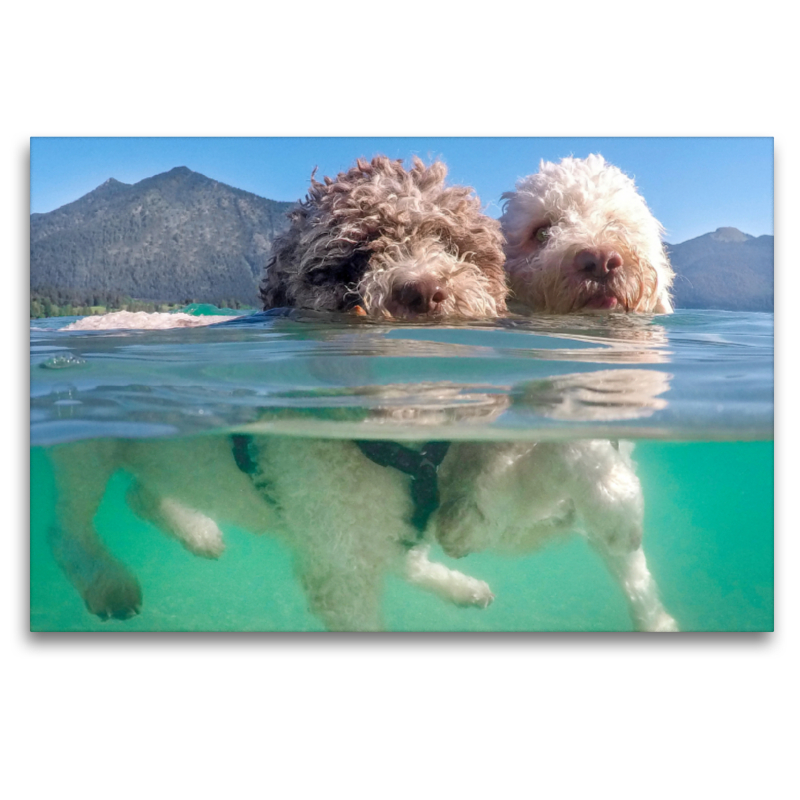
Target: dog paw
{"type": "Point", "coordinates": [661, 623]}
{"type": "Point", "coordinates": [483, 597]}
{"type": "Point", "coordinates": [205, 541]}
{"type": "Point", "coordinates": [114, 594]}
{"type": "Point", "coordinates": [455, 526]}
{"type": "Point", "coordinates": [198, 533]}
{"type": "Point", "coordinates": [665, 624]}
{"type": "Point", "coordinates": [473, 592]}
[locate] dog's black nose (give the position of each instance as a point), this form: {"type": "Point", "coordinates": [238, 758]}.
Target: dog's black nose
{"type": "Point", "coordinates": [420, 297]}
{"type": "Point", "coordinates": [598, 263]}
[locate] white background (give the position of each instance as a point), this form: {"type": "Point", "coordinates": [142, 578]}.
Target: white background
{"type": "Point", "coordinates": [393, 716]}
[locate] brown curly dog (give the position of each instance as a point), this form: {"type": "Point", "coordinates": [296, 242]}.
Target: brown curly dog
{"type": "Point", "coordinates": [393, 242]}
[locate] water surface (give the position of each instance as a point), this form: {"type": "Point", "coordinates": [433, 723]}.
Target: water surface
{"type": "Point", "coordinates": [694, 390]}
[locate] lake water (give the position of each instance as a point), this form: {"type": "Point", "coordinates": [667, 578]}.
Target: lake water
{"type": "Point", "coordinates": [693, 390]}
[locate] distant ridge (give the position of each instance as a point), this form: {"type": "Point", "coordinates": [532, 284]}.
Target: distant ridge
{"type": "Point", "coordinates": [171, 237]}
{"type": "Point", "coordinates": [182, 236]}
{"type": "Point", "coordinates": [726, 269]}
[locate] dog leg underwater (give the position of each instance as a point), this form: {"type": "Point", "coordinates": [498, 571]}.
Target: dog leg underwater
{"type": "Point", "coordinates": [198, 533]}
{"type": "Point", "coordinates": [343, 519]}
{"type": "Point", "coordinates": [610, 500]}
{"type": "Point", "coordinates": [449, 584]}
{"type": "Point", "coordinates": [82, 471]}
{"type": "Point", "coordinates": [629, 567]}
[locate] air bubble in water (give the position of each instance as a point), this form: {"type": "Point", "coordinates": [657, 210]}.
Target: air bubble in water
{"type": "Point", "coordinates": [64, 361]}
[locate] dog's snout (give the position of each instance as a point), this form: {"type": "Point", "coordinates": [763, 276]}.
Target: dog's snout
{"type": "Point", "coordinates": [598, 263]}
{"type": "Point", "coordinates": [420, 296]}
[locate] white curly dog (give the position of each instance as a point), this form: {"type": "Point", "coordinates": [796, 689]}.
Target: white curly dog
{"type": "Point", "coordinates": [580, 238]}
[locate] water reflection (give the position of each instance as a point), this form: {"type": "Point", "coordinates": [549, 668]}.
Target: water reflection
{"type": "Point", "coordinates": [612, 394]}
{"type": "Point", "coordinates": [519, 376]}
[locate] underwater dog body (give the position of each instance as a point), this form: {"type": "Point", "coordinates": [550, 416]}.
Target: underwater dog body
{"type": "Point", "coordinates": [579, 238]}
{"type": "Point", "coordinates": [381, 240]}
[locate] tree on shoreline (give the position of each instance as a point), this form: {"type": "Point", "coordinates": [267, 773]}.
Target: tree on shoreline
{"type": "Point", "coordinates": [57, 302]}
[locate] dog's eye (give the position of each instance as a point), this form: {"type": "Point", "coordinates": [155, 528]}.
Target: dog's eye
{"type": "Point", "coordinates": [541, 233]}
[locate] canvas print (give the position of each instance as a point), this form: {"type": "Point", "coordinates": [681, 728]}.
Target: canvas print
{"type": "Point", "coordinates": [401, 384]}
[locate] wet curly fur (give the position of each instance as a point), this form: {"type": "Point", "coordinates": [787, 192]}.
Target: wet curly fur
{"type": "Point", "coordinates": [580, 237]}
{"type": "Point", "coordinates": [354, 241]}
{"type": "Point", "coordinates": [400, 245]}
{"type": "Point", "coordinates": [397, 242]}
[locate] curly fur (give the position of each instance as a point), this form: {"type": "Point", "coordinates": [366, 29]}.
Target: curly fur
{"type": "Point", "coordinates": [515, 498]}
{"type": "Point", "coordinates": [350, 529]}
{"type": "Point", "coordinates": [580, 237]}
{"type": "Point", "coordinates": [345, 534]}
{"type": "Point", "coordinates": [359, 239]}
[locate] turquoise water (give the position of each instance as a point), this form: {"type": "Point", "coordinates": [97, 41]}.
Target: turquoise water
{"type": "Point", "coordinates": [693, 390]}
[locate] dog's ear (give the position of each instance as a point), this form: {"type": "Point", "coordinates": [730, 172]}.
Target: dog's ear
{"type": "Point", "coordinates": [272, 293]}
{"type": "Point", "coordinates": [276, 298]}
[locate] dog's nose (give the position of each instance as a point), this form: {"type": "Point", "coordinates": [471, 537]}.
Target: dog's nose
{"type": "Point", "coordinates": [598, 263]}
{"type": "Point", "coordinates": [421, 296]}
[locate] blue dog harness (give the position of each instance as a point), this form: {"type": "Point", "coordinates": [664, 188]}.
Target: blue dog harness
{"type": "Point", "coordinates": [421, 466]}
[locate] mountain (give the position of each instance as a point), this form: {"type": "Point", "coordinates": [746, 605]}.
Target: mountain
{"type": "Point", "coordinates": [180, 236]}
{"type": "Point", "coordinates": [172, 237]}
{"type": "Point", "coordinates": [726, 269]}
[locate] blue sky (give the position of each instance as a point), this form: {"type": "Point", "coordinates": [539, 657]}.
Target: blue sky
{"type": "Point", "coordinates": [693, 185]}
